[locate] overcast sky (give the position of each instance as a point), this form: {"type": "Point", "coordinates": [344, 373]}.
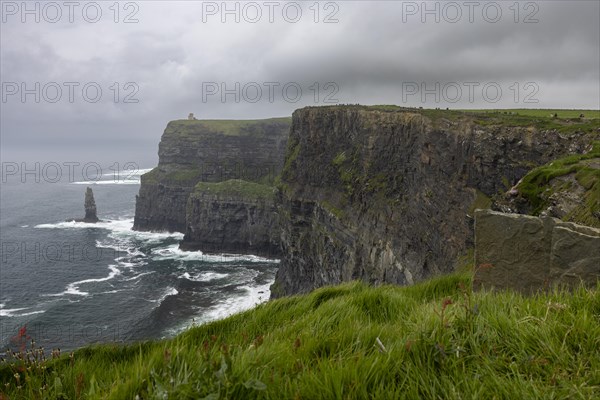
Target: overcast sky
{"type": "Point", "coordinates": [155, 61]}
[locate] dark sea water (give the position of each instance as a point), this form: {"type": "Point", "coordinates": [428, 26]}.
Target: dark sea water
{"type": "Point", "coordinates": [74, 284]}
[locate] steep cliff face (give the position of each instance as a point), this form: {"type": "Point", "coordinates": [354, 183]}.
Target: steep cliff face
{"type": "Point", "coordinates": [160, 204]}
{"type": "Point", "coordinates": [193, 151]}
{"type": "Point", "coordinates": [386, 195]}
{"type": "Point", "coordinates": [234, 216]}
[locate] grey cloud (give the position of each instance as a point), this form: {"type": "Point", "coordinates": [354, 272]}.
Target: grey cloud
{"type": "Point", "coordinates": [170, 53]}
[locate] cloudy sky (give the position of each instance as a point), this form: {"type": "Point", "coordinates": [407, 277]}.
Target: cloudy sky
{"type": "Point", "coordinates": [95, 81]}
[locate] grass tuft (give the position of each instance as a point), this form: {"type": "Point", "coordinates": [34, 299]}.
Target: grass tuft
{"type": "Point", "coordinates": [437, 339]}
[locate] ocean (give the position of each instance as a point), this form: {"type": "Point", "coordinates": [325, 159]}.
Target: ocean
{"type": "Point", "coordinates": [73, 284]}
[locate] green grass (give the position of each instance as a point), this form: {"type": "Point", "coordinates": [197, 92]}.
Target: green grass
{"type": "Point", "coordinates": [236, 188]}
{"type": "Point", "coordinates": [189, 176]}
{"type": "Point", "coordinates": [563, 125]}
{"type": "Point", "coordinates": [535, 185]}
{"type": "Point", "coordinates": [567, 121]}
{"type": "Point", "coordinates": [544, 113]}
{"type": "Point", "coordinates": [435, 340]}
{"type": "Point", "coordinates": [292, 152]}
{"type": "Point", "coordinates": [228, 127]}
{"type": "Point", "coordinates": [180, 176]}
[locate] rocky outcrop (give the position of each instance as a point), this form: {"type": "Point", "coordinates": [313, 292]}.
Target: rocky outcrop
{"type": "Point", "coordinates": [234, 216]}
{"type": "Point", "coordinates": [566, 188]}
{"type": "Point", "coordinates": [89, 204]}
{"type": "Point", "coordinates": [528, 254]}
{"type": "Point", "coordinates": [193, 151]}
{"type": "Point", "coordinates": [387, 195]}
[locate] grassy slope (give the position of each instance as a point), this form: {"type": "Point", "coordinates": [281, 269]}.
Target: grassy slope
{"type": "Point", "coordinates": [227, 127]}
{"type": "Point", "coordinates": [181, 176]}
{"type": "Point", "coordinates": [543, 112]}
{"type": "Point", "coordinates": [537, 182]}
{"type": "Point", "coordinates": [437, 341]}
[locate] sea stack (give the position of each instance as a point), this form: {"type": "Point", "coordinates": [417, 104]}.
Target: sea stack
{"type": "Point", "coordinates": [90, 207]}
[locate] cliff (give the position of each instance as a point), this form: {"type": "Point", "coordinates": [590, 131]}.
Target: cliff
{"type": "Point", "coordinates": [386, 195]}
{"type": "Point", "coordinates": [234, 216]}
{"type": "Point", "coordinates": [209, 151]}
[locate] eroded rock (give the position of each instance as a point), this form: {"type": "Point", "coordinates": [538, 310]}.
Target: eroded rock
{"type": "Point", "coordinates": [89, 205]}
{"type": "Point", "coordinates": [528, 254]}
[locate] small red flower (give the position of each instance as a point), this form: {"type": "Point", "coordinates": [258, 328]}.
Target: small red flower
{"type": "Point", "coordinates": [23, 331]}
{"type": "Point", "coordinates": [446, 303]}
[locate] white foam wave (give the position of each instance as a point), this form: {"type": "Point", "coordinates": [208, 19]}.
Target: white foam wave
{"type": "Point", "coordinates": [13, 312]}
{"type": "Point", "coordinates": [130, 173]}
{"type": "Point", "coordinates": [109, 182]}
{"type": "Point", "coordinates": [129, 264]}
{"type": "Point", "coordinates": [113, 291]}
{"type": "Point", "coordinates": [24, 226]}
{"type": "Point", "coordinates": [173, 252]}
{"type": "Point", "coordinates": [111, 225]}
{"type": "Point", "coordinates": [73, 288]}
{"type": "Point", "coordinates": [232, 305]}
{"type": "Point", "coordinates": [153, 236]}
{"type": "Point", "coordinates": [253, 296]}
{"type": "Point", "coordinates": [171, 291]}
{"type": "Point", "coordinates": [125, 177]}
{"type": "Point", "coordinates": [203, 276]}
{"type": "Point", "coordinates": [117, 228]}
{"type": "Point", "coordinates": [133, 278]}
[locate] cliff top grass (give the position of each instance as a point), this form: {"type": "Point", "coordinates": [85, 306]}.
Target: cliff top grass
{"type": "Point", "coordinates": [188, 175]}
{"type": "Point", "coordinates": [542, 112]}
{"type": "Point", "coordinates": [537, 186]}
{"type": "Point", "coordinates": [183, 175]}
{"type": "Point", "coordinates": [227, 127]}
{"type": "Point", "coordinates": [567, 121]}
{"type": "Point", "coordinates": [434, 340]}
{"type": "Point", "coordinates": [236, 188]}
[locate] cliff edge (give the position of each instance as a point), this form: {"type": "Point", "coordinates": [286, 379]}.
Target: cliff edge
{"type": "Point", "coordinates": [386, 194]}
{"type": "Point", "coordinates": [195, 156]}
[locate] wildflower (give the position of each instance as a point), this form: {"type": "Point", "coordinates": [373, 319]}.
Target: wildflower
{"type": "Point", "coordinates": [446, 303]}
{"type": "Point", "coordinates": [23, 331]}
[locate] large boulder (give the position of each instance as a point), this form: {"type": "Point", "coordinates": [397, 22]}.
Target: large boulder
{"type": "Point", "coordinates": [527, 253]}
